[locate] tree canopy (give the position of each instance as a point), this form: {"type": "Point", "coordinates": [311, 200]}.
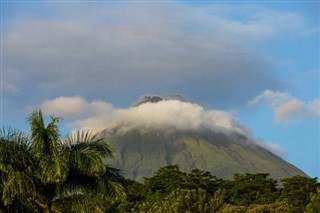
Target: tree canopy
{"type": "Point", "coordinates": [46, 172]}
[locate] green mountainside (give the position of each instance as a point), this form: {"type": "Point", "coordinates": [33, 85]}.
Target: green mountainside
{"type": "Point", "coordinates": [139, 152]}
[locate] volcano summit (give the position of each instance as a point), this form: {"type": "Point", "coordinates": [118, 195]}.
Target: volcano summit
{"type": "Point", "coordinates": [158, 131]}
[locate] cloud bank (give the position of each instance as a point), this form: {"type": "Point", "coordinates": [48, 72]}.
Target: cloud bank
{"type": "Point", "coordinates": [119, 50]}
{"type": "Point", "coordinates": [286, 107]}
{"type": "Point", "coordinates": [165, 114]}
{"type": "Point", "coordinates": [99, 115]}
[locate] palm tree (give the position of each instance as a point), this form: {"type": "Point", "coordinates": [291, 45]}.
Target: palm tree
{"type": "Point", "coordinates": [52, 174]}
{"type": "Point", "coordinates": [15, 163]}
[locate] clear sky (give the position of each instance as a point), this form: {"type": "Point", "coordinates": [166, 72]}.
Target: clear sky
{"type": "Point", "coordinates": [257, 60]}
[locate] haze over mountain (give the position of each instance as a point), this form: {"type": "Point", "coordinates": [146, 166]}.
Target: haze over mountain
{"type": "Point", "coordinates": [170, 130]}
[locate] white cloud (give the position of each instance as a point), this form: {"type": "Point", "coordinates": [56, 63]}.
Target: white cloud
{"type": "Point", "coordinates": [65, 106]}
{"type": "Point", "coordinates": [74, 107]}
{"type": "Point", "coordinates": [165, 115]}
{"type": "Point", "coordinates": [99, 115]}
{"type": "Point", "coordinates": [271, 98]}
{"type": "Point", "coordinates": [286, 107]}
{"type": "Point", "coordinates": [287, 110]}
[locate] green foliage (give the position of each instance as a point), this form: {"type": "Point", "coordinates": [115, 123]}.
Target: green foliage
{"type": "Point", "coordinates": [277, 207]}
{"type": "Point", "coordinates": [170, 183]}
{"type": "Point", "coordinates": [204, 180]}
{"type": "Point", "coordinates": [296, 191]}
{"type": "Point", "coordinates": [135, 194]}
{"type": "Point", "coordinates": [46, 173]}
{"type": "Point", "coordinates": [169, 178]}
{"type": "Point", "coordinates": [228, 208]}
{"type": "Point", "coordinates": [166, 180]}
{"type": "Point", "coordinates": [251, 189]}
{"type": "Point", "coordinates": [171, 190]}
{"type": "Point", "coordinates": [314, 205]}
{"type": "Point", "coordinates": [185, 200]}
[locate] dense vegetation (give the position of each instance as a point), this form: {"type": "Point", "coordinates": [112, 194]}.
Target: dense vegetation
{"type": "Point", "coordinates": [43, 172]}
{"type": "Point", "coordinates": [171, 190]}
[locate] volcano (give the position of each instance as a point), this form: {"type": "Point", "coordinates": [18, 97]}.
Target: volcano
{"type": "Point", "coordinates": [214, 143]}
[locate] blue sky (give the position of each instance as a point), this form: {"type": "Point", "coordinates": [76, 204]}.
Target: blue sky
{"type": "Point", "coordinates": [258, 60]}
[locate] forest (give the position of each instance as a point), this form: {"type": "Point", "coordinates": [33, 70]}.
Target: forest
{"type": "Point", "coordinates": [42, 172]}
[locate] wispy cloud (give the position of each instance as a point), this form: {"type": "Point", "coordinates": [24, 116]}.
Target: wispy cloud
{"type": "Point", "coordinates": [286, 107]}
{"type": "Point", "coordinates": [274, 148]}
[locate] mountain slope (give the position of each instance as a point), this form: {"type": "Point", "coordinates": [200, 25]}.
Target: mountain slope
{"type": "Point", "coordinates": [139, 152]}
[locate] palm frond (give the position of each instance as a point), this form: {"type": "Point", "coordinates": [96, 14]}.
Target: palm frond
{"type": "Point", "coordinates": [76, 183]}
{"type": "Point", "coordinates": [17, 184]}
{"type": "Point", "coordinates": [44, 140]}
{"type": "Point", "coordinates": [107, 185]}
{"type": "Point", "coordinates": [53, 130]}
{"type": "Point", "coordinates": [114, 181]}
{"type": "Point", "coordinates": [78, 139]}
{"type": "Point", "coordinates": [82, 203]}
{"type": "Point", "coordinates": [11, 134]}
{"type": "Point", "coordinates": [115, 192]}
{"type": "Point", "coordinates": [114, 174]}
{"type": "Point", "coordinates": [87, 153]}
{"type": "Point", "coordinates": [71, 174]}
{"type": "Point", "coordinates": [53, 168]}
{"type": "Point", "coordinates": [15, 153]}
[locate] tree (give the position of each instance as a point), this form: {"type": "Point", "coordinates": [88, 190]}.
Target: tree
{"type": "Point", "coordinates": [228, 208]}
{"type": "Point", "coordinates": [135, 194]}
{"type": "Point", "coordinates": [204, 180]}
{"type": "Point", "coordinates": [14, 157]}
{"type": "Point", "coordinates": [276, 207]}
{"type": "Point", "coordinates": [314, 205]}
{"type": "Point", "coordinates": [54, 174]}
{"type": "Point", "coordinates": [251, 189]}
{"type": "Point", "coordinates": [296, 192]}
{"type": "Point", "coordinates": [166, 180]}
{"type": "Point", "coordinates": [186, 200]}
